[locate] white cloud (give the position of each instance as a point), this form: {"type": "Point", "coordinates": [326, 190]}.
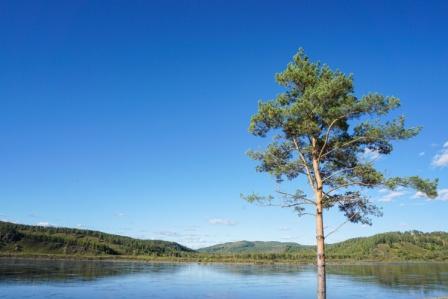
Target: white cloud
{"type": "Point", "coordinates": [370, 155]}
{"type": "Point", "coordinates": [283, 228]}
{"type": "Point", "coordinates": [389, 195]}
{"type": "Point", "coordinates": [192, 240]}
{"type": "Point", "coordinates": [190, 229]}
{"type": "Point", "coordinates": [44, 223]}
{"type": "Point", "coordinates": [442, 195]}
{"type": "Point", "coordinates": [119, 214]}
{"type": "Point", "coordinates": [196, 240]}
{"type": "Point", "coordinates": [6, 219]}
{"type": "Point", "coordinates": [421, 154]}
{"type": "Point", "coordinates": [287, 238]}
{"type": "Point", "coordinates": [419, 194]}
{"type": "Point", "coordinates": [441, 158]}
{"type": "Point", "coordinates": [167, 233]}
{"type": "Point", "coordinates": [221, 221]}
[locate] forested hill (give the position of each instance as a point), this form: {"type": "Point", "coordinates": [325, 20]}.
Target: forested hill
{"type": "Point", "coordinates": [254, 247]}
{"type": "Point", "coordinates": [17, 238]}
{"type": "Point", "coordinates": [412, 245]}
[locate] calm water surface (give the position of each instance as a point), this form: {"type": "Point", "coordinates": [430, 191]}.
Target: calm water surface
{"type": "Point", "coordinates": [21, 278]}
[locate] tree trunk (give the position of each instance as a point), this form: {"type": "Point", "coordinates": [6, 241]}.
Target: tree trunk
{"type": "Point", "coordinates": [321, 275]}
{"type": "Point", "coordinates": [320, 237]}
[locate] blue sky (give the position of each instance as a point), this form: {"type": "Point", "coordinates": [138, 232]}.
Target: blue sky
{"type": "Point", "coordinates": [131, 117]}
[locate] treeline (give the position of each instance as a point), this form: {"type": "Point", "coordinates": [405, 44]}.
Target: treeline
{"type": "Point", "coordinates": [254, 247]}
{"type": "Point", "coordinates": [16, 239]}
{"type": "Point", "coordinates": [393, 246]}
{"type": "Point", "coordinates": [38, 239]}
{"type": "Point", "coordinates": [412, 245]}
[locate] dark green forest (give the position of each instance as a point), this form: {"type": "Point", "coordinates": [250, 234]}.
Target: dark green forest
{"type": "Point", "coordinates": [254, 247]}
{"type": "Point", "coordinates": [55, 240]}
{"type": "Point", "coordinates": [26, 240]}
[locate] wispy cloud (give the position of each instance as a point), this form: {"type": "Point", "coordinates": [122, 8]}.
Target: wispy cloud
{"type": "Point", "coordinates": [44, 223]}
{"type": "Point", "coordinates": [419, 194]}
{"type": "Point", "coordinates": [190, 229]}
{"type": "Point", "coordinates": [119, 214]}
{"type": "Point", "coordinates": [33, 215]}
{"type": "Point", "coordinates": [192, 240]}
{"type": "Point", "coordinates": [421, 154]}
{"type": "Point", "coordinates": [196, 240]}
{"type": "Point", "coordinates": [167, 233]}
{"type": "Point", "coordinates": [441, 158]}
{"type": "Point", "coordinates": [9, 220]}
{"type": "Point", "coordinates": [370, 155]}
{"type": "Point", "coordinates": [5, 219]}
{"type": "Point", "coordinates": [390, 195]}
{"type": "Point", "coordinates": [442, 195]}
{"type": "Point", "coordinates": [221, 221]}
{"type": "Point", "coordinates": [288, 238]}
{"type": "Point", "coordinates": [284, 228]}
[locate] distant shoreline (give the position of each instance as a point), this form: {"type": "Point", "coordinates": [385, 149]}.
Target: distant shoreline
{"type": "Point", "coordinates": [148, 259]}
{"type": "Point", "coordinates": [218, 260]}
{"type": "Point", "coordinates": [36, 242]}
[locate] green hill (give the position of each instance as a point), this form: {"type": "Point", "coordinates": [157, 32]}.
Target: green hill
{"type": "Point", "coordinates": [412, 245]}
{"type": "Point", "coordinates": [27, 239]}
{"type": "Point", "coordinates": [254, 247]}
{"type": "Point", "coordinates": [393, 246]}
{"type": "Point", "coordinates": [16, 239]}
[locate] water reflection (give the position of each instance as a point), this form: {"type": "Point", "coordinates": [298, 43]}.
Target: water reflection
{"type": "Point", "coordinates": [399, 275]}
{"type": "Point", "coordinates": [22, 278]}
{"type": "Point", "coordinates": [29, 270]}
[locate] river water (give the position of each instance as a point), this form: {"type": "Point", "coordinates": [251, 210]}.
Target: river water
{"type": "Point", "coordinates": [26, 278]}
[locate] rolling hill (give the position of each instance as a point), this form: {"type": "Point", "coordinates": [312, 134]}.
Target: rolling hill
{"type": "Point", "coordinates": [254, 247]}
{"type": "Point", "coordinates": [412, 245]}
{"type": "Point", "coordinates": [17, 238]}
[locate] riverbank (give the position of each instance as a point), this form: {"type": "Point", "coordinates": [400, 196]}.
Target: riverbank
{"type": "Point", "coordinates": [18, 240]}
{"type": "Point", "coordinates": [153, 259]}
{"type": "Point", "coordinates": [217, 259]}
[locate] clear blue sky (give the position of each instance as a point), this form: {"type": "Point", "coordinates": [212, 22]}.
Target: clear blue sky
{"type": "Point", "coordinates": [131, 117]}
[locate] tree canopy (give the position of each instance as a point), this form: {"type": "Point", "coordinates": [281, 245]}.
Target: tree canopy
{"type": "Point", "coordinates": [321, 130]}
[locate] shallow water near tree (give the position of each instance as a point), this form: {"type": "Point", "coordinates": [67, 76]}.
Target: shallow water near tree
{"type": "Point", "coordinates": [25, 278]}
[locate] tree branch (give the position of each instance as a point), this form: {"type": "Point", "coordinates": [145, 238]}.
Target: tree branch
{"type": "Point", "coordinates": [344, 144]}
{"type": "Point", "coordinates": [306, 200]}
{"type": "Point", "coordinates": [308, 173]}
{"type": "Point", "coordinates": [336, 172]}
{"type": "Point", "coordinates": [311, 214]}
{"type": "Point", "coordinates": [327, 135]}
{"type": "Point", "coordinates": [342, 224]}
{"type": "Point", "coordinates": [350, 184]}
